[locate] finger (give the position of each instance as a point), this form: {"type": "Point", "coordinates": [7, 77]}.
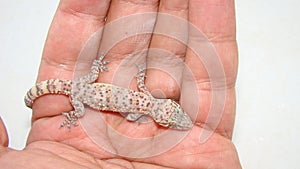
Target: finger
{"type": "Point", "coordinates": [167, 49]}
{"type": "Point", "coordinates": [73, 24]}
{"type": "Point", "coordinates": [125, 40]}
{"type": "Point", "coordinates": [126, 37]}
{"type": "Point", "coordinates": [3, 135]}
{"type": "Point", "coordinates": [213, 63]}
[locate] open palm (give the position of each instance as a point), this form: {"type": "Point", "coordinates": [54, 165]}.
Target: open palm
{"type": "Point", "coordinates": [176, 72]}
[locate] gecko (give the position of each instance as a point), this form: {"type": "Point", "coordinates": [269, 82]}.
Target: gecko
{"type": "Point", "coordinates": [107, 97]}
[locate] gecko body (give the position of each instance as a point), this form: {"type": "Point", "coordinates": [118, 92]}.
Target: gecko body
{"type": "Point", "coordinates": [108, 97]}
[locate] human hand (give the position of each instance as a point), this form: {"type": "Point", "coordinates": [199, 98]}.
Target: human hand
{"type": "Point", "coordinates": [74, 24]}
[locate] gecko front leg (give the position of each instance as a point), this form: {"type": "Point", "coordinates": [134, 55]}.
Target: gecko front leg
{"type": "Point", "coordinates": [141, 75]}
{"type": "Point", "coordinates": [98, 66]}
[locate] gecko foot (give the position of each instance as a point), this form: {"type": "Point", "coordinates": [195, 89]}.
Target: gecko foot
{"type": "Point", "coordinates": [71, 120]}
{"type": "Point", "coordinates": [139, 118]}
{"type": "Point", "coordinates": [141, 70]}
{"type": "Point", "coordinates": [136, 117]}
{"type": "Point", "coordinates": [100, 63]}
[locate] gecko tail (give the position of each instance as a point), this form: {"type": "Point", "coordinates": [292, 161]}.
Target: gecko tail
{"type": "Point", "coordinates": [52, 86]}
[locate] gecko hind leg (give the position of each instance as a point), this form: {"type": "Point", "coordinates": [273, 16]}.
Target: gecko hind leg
{"type": "Point", "coordinates": [71, 120]}
{"type": "Point", "coordinates": [72, 116]}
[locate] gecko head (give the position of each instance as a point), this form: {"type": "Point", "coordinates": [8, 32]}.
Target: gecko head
{"type": "Point", "coordinates": [179, 119]}
{"type": "Point", "coordinates": [173, 116]}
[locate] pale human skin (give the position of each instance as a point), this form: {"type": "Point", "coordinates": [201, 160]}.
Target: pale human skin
{"type": "Point", "coordinates": [50, 147]}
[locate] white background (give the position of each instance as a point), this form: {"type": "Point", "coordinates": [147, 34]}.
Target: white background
{"type": "Point", "coordinates": [267, 130]}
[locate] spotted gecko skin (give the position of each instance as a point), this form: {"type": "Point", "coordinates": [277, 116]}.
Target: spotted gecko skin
{"type": "Point", "coordinates": [107, 97]}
